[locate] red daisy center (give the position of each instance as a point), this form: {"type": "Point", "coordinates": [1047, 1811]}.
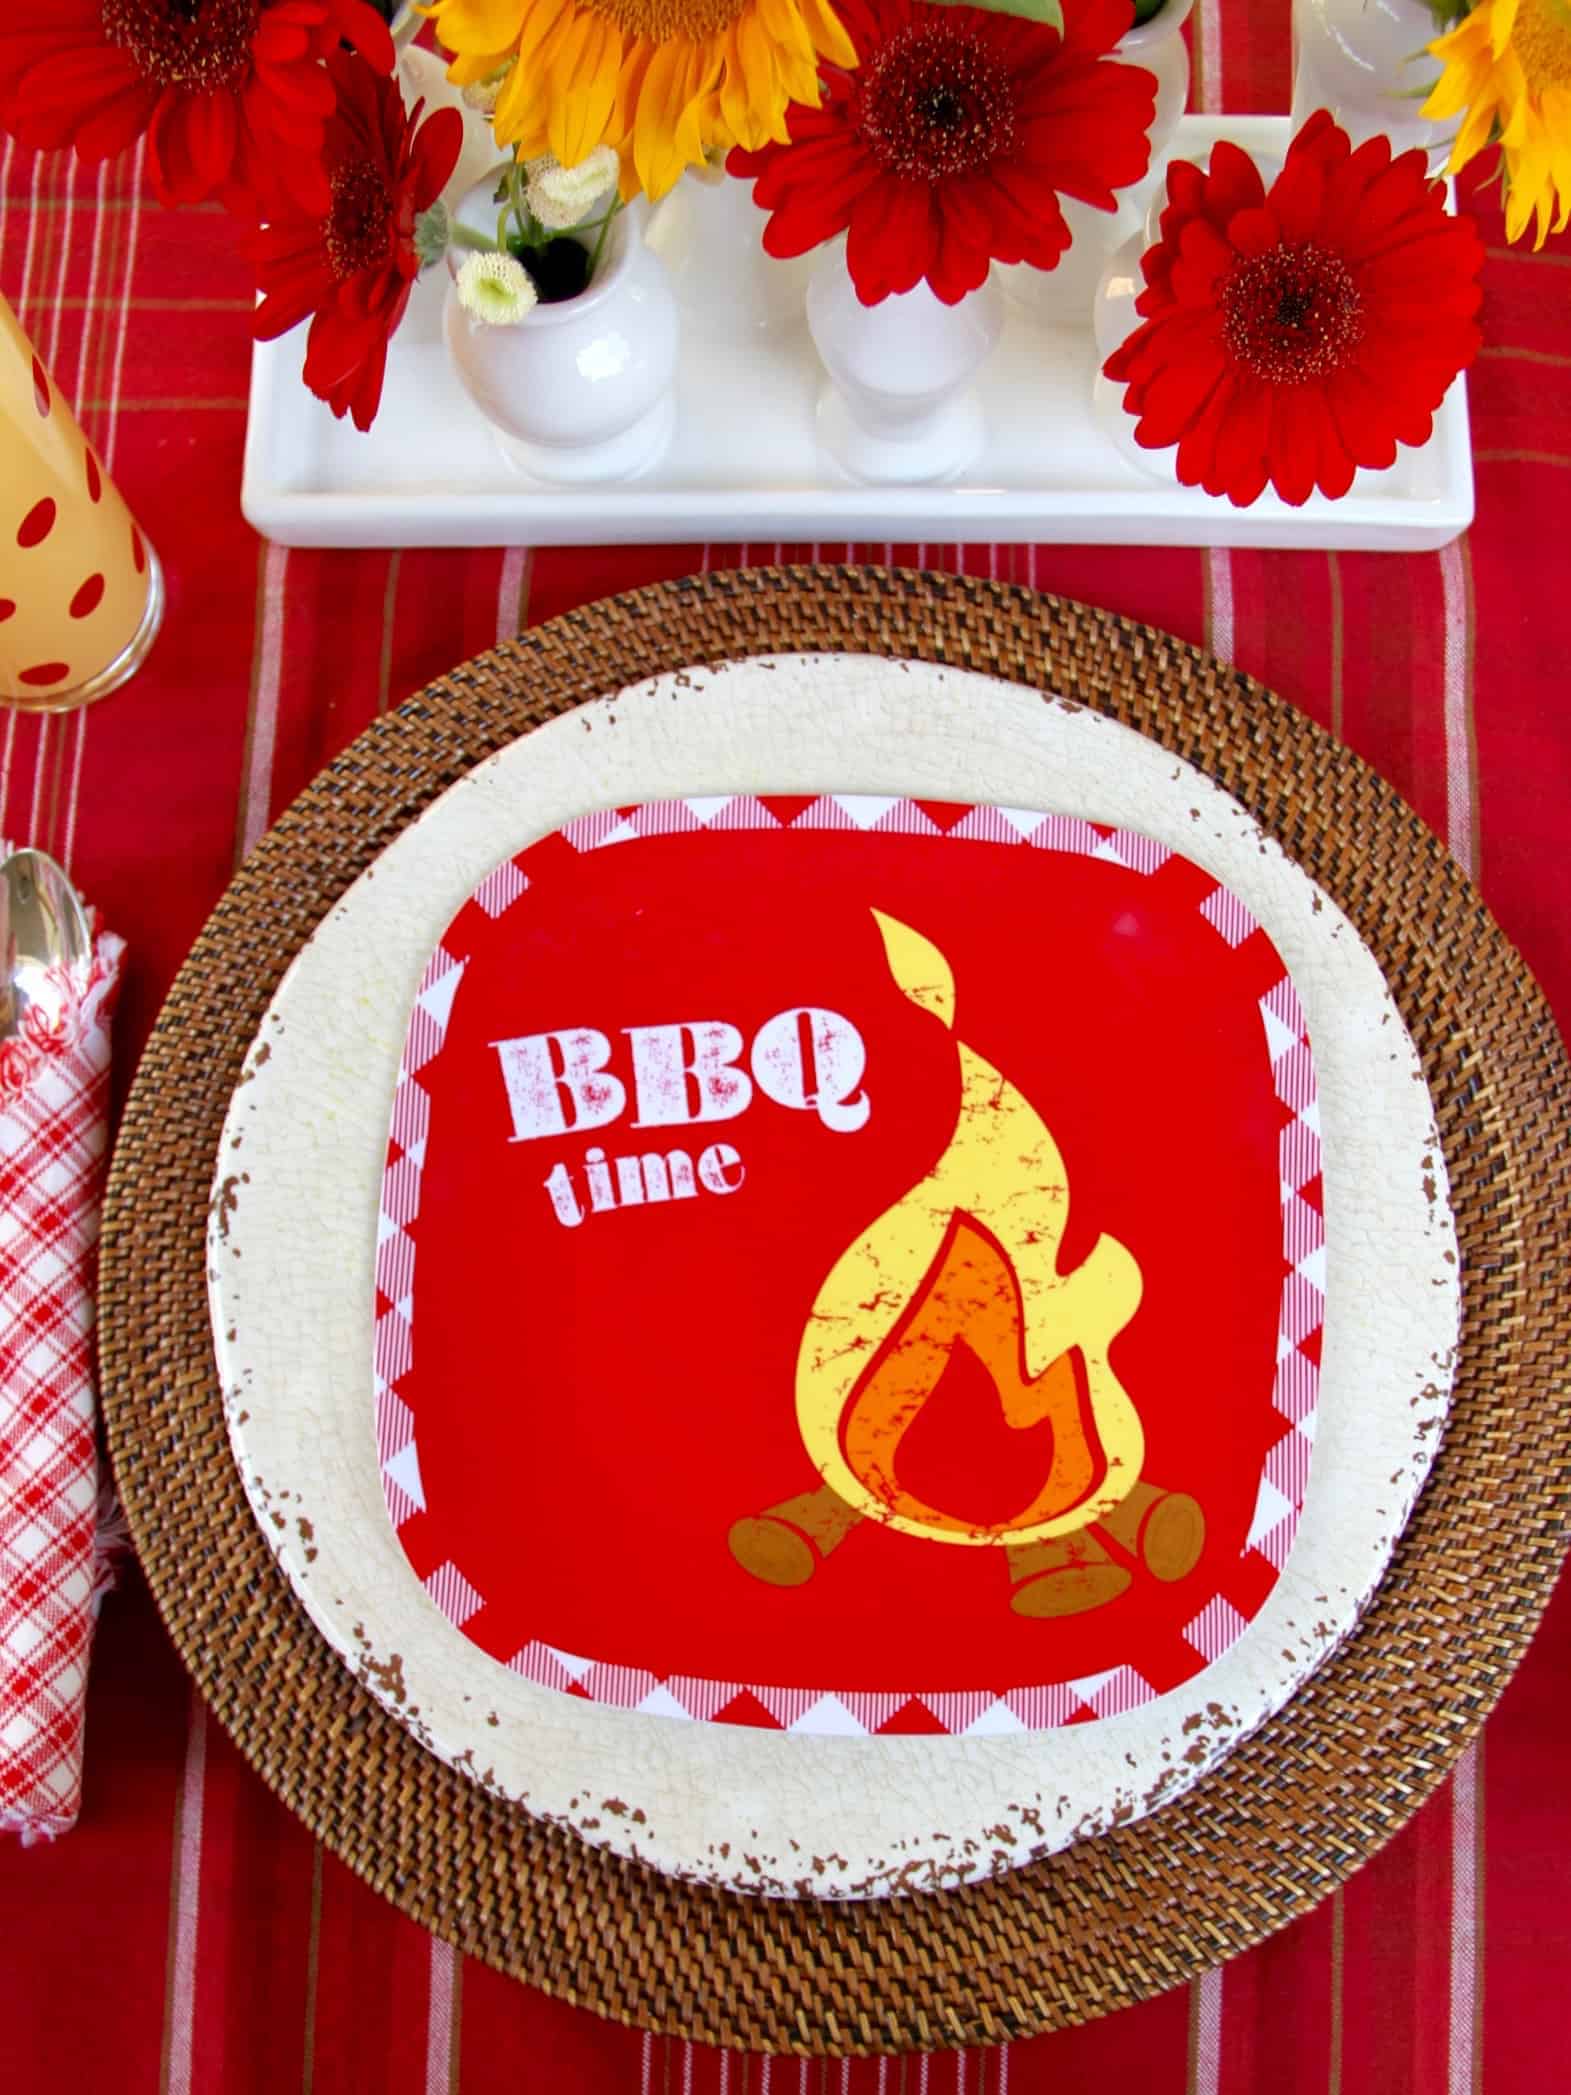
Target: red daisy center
{"type": "Point", "coordinates": [1292, 314]}
{"type": "Point", "coordinates": [197, 44]}
{"type": "Point", "coordinates": [934, 103]}
{"type": "Point", "coordinates": [358, 230]}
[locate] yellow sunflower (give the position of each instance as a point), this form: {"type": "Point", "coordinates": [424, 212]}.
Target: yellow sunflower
{"type": "Point", "coordinates": [1508, 64]}
{"type": "Point", "coordinates": [662, 81]}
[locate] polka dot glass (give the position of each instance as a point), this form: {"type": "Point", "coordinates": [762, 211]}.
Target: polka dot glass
{"type": "Point", "coordinates": [81, 594]}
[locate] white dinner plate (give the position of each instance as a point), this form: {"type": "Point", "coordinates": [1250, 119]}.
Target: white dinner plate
{"type": "Point", "coordinates": [292, 1289]}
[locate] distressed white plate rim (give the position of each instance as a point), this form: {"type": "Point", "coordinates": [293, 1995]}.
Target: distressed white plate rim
{"type": "Point", "coordinates": [291, 1289]}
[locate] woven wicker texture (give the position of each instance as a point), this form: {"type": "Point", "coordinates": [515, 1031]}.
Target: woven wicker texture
{"type": "Point", "coordinates": [1294, 1809]}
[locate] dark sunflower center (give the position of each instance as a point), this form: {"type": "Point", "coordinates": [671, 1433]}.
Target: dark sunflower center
{"type": "Point", "coordinates": [935, 103]}
{"type": "Point", "coordinates": [1292, 314]}
{"type": "Point", "coordinates": [359, 228]}
{"type": "Point", "coordinates": [1541, 41]}
{"type": "Point", "coordinates": [658, 21]}
{"type": "Point", "coordinates": [196, 44]}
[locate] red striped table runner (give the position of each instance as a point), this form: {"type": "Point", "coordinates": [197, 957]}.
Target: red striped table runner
{"type": "Point", "coordinates": [190, 1935]}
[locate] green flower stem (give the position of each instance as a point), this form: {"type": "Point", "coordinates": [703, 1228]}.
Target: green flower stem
{"type": "Point", "coordinates": [528, 231]}
{"type": "Point", "coordinates": [503, 175]}
{"type": "Point", "coordinates": [599, 246]}
{"type": "Point", "coordinates": [466, 236]}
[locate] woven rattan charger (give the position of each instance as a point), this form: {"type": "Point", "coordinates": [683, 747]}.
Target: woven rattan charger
{"type": "Point", "coordinates": [1295, 1808]}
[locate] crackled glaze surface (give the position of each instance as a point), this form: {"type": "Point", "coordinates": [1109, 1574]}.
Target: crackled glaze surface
{"type": "Point", "coordinates": [293, 1307]}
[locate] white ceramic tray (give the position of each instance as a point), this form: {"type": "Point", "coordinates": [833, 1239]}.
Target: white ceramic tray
{"type": "Point", "coordinates": [744, 462]}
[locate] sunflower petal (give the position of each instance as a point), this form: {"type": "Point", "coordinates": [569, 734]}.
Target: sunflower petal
{"type": "Point", "coordinates": [480, 25]}
{"type": "Point", "coordinates": [522, 112]}
{"type": "Point", "coordinates": [582, 88]}
{"type": "Point", "coordinates": [827, 32]}
{"type": "Point", "coordinates": [665, 131]}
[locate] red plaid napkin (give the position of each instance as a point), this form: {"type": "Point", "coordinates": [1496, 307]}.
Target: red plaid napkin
{"type": "Point", "coordinates": [53, 1139]}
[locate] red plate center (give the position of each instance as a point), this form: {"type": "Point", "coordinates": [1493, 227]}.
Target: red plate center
{"type": "Point", "coordinates": [674, 1091]}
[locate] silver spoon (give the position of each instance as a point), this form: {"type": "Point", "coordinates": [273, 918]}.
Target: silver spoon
{"type": "Point", "coordinates": [42, 927]}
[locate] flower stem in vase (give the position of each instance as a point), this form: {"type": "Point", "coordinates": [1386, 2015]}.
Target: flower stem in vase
{"type": "Point", "coordinates": [599, 247]}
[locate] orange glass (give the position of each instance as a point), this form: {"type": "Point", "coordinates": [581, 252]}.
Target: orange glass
{"type": "Point", "coordinates": [81, 591]}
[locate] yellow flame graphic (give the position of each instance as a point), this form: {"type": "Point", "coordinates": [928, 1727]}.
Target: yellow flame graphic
{"type": "Point", "coordinates": [1001, 1168]}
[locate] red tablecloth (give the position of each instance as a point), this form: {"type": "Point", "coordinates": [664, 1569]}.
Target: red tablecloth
{"type": "Point", "coordinates": [190, 1934]}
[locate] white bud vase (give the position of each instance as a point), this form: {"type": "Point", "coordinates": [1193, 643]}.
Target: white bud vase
{"type": "Point", "coordinates": [1365, 61]}
{"type": "Point", "coordinates": [709, 234]}
{"type": "Point", "coordinates": [1159, 46]}
{"type": "Point", "coordinates": [581, 391]}
{"type": "Point", "coordinates": [1113, 321]}
{"type": "Point", "coordinates": [1062, 297]}
{"type": "Point", "coordinates": [899, 404]}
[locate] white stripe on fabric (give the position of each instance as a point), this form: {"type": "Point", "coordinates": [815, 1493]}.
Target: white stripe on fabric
{"type": "Point", "coordinates": [1462, 2074]}
{"type": "Point", "coordinates": [1459, 760]}
{"type": "Point", "coordinates": [439, 2018]}
{"type": "Point", "coordinates": [1219, 569]}
{"type": "Point", "coordinates": [89, 311]}
{"type": "Point", "coordinates": [127, 289]}
{"type": "Point", "coordinates": [1209, 29]}
{"type": "Point", "coordinates": [41, 750]}
{"type": "Point", "coordinates": [112, 427]}
{"type": "Point", "coordinates": [257, 784]}
{"type": "Point", "coordinates": [1208, 2033]}
{"type": "Point", "coordinates": [62, 268]}
{"type": "Point", "coordinates": [188, 1884]}
{"type": "Point", "coordinates": [515, 565]}
{"type": "Point", "coordinates": [33, 216]}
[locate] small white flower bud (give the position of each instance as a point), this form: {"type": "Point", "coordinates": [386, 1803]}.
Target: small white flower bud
{"type": "Point", "coordinates": [495, 289]}
{"type": "Point", "coordinates": [483, 95]}
{"type": "Point", "coordinates": [564, 196]}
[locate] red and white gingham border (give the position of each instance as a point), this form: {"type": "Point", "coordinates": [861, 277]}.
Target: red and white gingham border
{"type": "Point", "coordinates": [1285, 1472]}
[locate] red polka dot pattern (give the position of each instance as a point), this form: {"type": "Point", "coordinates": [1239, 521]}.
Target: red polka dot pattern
{"type": "Point", "coordinates": [138, 551]}
{"type": "Point", "coordinates": [7, 609]}
{"type": "Point", "coordinates": [46, 673]}
{"type": "Point", "coordinates": [40, 389]}
{"type": "Point", "coordinates": [88, 597]}
{"type": "Point", "coordinates": [95, 479]}
{"type": "Point", "coordinates": [36, 526]}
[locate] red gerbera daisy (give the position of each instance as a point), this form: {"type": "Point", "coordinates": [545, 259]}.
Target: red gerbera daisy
{"type": "Point", "coordinates": [949, 147]}
{"type": "Point", "coordinates": [350, 268]}
{"type": "Point", "coordinates": [230, 93]}
{"type": "Point", "coordinates": [1297, 334]}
